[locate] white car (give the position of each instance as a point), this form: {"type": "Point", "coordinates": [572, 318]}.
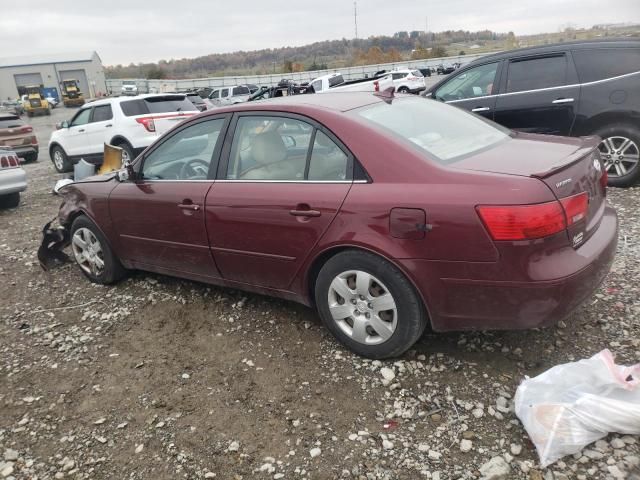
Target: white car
{"type": "Point", "coordinates": [129, 87]}
{"type": "Point", "coordinates": [13, 179]}
{"type": "Point", "coordinates": [130, 123]}
{"type": "Point", "coordinates": [407, 81]}
{"type": "Point", "coordinates": [230, 95]}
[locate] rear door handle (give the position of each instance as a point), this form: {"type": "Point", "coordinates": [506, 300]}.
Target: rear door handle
{"type": "Point", "coordinates": [562, 100]}
{"type": "Point", "coordinates": [481, 109]}
{"type": "Point", "coordinates": [305, 213]}
{"type": "Point", "coordinates": [189, 206]}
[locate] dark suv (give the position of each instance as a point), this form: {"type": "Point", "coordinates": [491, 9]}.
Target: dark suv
{"type": "Point", "coordinates": [573, 89]}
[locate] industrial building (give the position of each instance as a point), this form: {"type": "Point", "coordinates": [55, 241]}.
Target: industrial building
{"type": "Point", "coordinates": [49, 71]}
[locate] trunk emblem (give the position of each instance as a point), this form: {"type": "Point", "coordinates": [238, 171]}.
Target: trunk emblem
{"type": "Point", "coordinates": [577, 239]}
{"type": "Point", "coordinates": [563, 183]}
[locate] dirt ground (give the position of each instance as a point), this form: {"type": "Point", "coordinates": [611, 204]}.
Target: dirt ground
{"type": "Point", "coordinates": [159, 378]}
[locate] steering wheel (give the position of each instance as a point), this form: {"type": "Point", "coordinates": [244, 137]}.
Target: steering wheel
{"type": "Point", "coordinates": [194, 168]}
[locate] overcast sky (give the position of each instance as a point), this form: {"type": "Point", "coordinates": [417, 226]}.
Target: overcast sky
{"type": "Point", "coordinates": [124, 31]}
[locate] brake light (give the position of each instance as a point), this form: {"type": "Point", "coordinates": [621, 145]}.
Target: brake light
{"type": "Point", "coordinates": [4, 163]}
{"type": "Point", "coordinates": [575, 207]}
{"type": "Point", "coordinates": [376, 86]}
{"type": "Point", "coordinates": [26, 129]}
{"type": "Point", "coordinates": [522, 222]}
{"type": "Point", "coordinates": [34, 140]}
{"type": "Point", "coordinates": [147, 123]}
{"type": "Point", "coordinates": [13, 161]}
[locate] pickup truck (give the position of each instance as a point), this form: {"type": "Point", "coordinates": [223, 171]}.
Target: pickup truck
{"type": "Point", "coordinates": [335, 82]}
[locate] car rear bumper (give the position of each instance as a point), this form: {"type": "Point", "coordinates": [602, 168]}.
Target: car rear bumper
{"type": "Point", "coordinates": [25, 150]}
{"type": "Point", "coordinates": [468, 302]}
{"type": "Point", "coordinates": [12, 180]}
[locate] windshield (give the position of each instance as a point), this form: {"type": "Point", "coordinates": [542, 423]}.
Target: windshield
{"type": "Point", "coordinates": [128, 82]}
{"type": "Point", "coordinates": [195, 99]}
{"type": "Point", "coordinates": [445, 132]}
{"type": "Point", "coordinates": [10, 121]}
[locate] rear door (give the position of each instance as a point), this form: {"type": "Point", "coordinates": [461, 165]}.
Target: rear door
{"type": "Point", "coordinates": [473, 89]}
{"type": "Point", "coordinates": [98, 130]}
{"type": "Point", "coordinates": [159, 217]}
{"type": "Point", "coordinates": [539, 94]}
{"type": "Point", "coordinates": [283, 179]}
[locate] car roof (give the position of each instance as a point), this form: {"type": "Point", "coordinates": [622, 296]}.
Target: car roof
{"type": "Point", "coordinates": [555, 47]}
{"type": "Point", "coordinates": [336, 101]}
{"type": "Point", "coordinates": [111, 100]}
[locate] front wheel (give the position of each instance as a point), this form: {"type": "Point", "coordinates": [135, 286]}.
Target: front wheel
{"type": "Point", "coordinates": [93, 253]}
{"type": "Point", "coordinates": [60, 160]}
{"type": "Point", "coordinates": [620, 152]}
{"type": "Point", "coordinates": [369, 305]}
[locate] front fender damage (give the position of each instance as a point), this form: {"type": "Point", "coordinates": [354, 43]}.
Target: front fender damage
{"type": "Point", "coordinates": [54, 240]}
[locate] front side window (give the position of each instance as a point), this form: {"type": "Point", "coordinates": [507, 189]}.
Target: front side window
{"type": "Point", "coordinates": [317, 86]}
{"type": "Point", "coordinates": [102, 113]}
{"type": "Point", "coordinates": [215, 94]}
{"type": "Point", "coordinates": [224, 92]}
{"type": "Point", "coordinates": [446, 133]}
{"type": "Point", "coordinates": [601, 63]}
{"type": "Point", "coordinates": [81, 118]}
{"type": "Point", "coordinates": [187, 155]}
{"type": "Point", "coordinates": [398, 76]}
{"type": "Point", "coordinates": [475, 82]}
{"type": "Point", "coordinates": [284, 149]}
{"type": "Point", "coordinates": [537, 73]}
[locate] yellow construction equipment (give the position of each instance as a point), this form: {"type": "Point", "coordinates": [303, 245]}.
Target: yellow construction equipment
{"type": "Point", "coordinates": [71, 94]}
{"type": "Point", "coordinates": [34, 101]}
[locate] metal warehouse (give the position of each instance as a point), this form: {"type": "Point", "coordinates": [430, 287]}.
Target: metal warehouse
{"type": "Point", "coordinates": [49, 70]}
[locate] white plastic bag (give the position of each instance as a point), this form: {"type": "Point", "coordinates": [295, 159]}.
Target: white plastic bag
{"type": "Point", "coordinates": [571, 405]}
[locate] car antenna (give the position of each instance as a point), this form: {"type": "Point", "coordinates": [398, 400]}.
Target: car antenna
{"type": "Point", "coordinates": [388, 94]}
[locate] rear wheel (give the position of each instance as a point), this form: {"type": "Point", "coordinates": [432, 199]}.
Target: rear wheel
{"type": "Point", "coordinates": [93, 253]}
{"type": "Point", "coordinates": [369, 305]}
{"type": "Point", "coordinates": [127, 151]}
{"type": "Point", "coordinates": [620, 151]}
{"type": "Point", "coordinates": [403, 90]}
{"type": "Point", "coordinates": [60, 160]}
{"type": "Point", "coordinates": [11, 200]}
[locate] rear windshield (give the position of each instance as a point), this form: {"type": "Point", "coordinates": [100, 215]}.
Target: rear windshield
{"type": "Point", "coordinates": [240, 91]}
{"type": "Point", "coordinates": [162, 104]}
{"type": "Point", "coordinates": [8, 121]}
{"type": "Point", "coordinates": [447, 133]}
{"type": "Point", "coordinates": [195, 99]}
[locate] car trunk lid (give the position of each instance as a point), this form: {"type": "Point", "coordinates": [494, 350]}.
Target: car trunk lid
{"type": "Point", "coordinates": [570, 167]}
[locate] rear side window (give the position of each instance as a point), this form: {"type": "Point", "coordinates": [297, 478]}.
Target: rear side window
{"type": "Point", "coordinates": [417, 73]}
{"type": "Point", "coordinates": [132, 108]}
{"type": "Point", "coordinates": [600, 63]}
{"type": "Point", "coordinates": [169, 103]}
{"type": "Point", "coordinates": [240, 91]}
{"type": "Point", "coordinates": [536, 73]}
{"type": "Point", "coordinates": [398, 76]}
{"type": "Point", "coordinates": [337, 80]}
{"type": "Point", "coordinates": [10, 122]}
{"type": "Point", "coordinates": [102, 113]}
{"type": "Point", "coordinates": [215, 94]}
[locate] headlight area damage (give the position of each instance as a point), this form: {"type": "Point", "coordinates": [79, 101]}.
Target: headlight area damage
{"type": "Point", "coordinates": [54, 240]}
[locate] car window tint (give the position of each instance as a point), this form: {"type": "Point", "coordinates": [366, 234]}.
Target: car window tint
{"type": "Point", "coordinates": [131, 108]}
{"type": "Point", "coordinates": [224, 92]}
{"type": "Point", "coordinates": [328, 162]}
{"type": "Point", "coordinates": [335, 80]}
{"type": "Point", "coordinates": [317, 85]}
{"type": "Point", "coordinates": [102, 113]}
{"type": "Point", "coordinates": [475, 82]}
{"type": "Point", "coordinates": [186, 155]}
{"type": "Point", "coordinates": [600, 63]}
{"type": "Point", "coordinates": [269, 148]}
{"type": "Point", "coordinates": [241, 91]}
{"type": "Point", "coordinates": [536, 73]}
{"type": "Point", "coordinates": [215, 94]}
{"type": "Point", "coordinates": [81, 118]}
{"type": "Point", "coordinates": [168, 103]}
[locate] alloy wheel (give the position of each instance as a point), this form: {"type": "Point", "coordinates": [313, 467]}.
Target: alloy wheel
{"type": "Point", "coordinates": [125, 156]}
{"type": "Point", "coordinates": [362, 307]}
{"type": "Point", "coordinates": [58, 160]}
{"type": "Point", "coordinates": [621, 155]}
{"type": "Point", "coordinates": [87, 251]}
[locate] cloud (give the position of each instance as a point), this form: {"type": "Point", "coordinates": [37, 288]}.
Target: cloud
{"type": "Point", "coordinates": [124, 31]}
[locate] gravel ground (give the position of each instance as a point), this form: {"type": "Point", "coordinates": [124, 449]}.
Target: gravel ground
{"type": "Point", "coordinates": [162, 378]}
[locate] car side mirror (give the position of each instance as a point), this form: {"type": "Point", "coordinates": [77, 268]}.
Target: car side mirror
{"type": "Point", "coordinates": [127, 173]}
{"type": "Point", "coordinates": [63, 124]}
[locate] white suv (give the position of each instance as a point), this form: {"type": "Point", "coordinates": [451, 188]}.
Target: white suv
{"type": "Point", "coordinates": [130, 123]}
{"type": "Point", "coordinates": [129, 87]}
{"type": "Point", "coordinates": [230, 95]}
{"type": "Point", "coordinates": [407, 81]}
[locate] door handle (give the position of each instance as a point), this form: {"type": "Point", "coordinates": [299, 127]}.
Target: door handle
{"type": "Point", "coordinates": [81, 130]}
{"type": "Point", "coordinates": [189, 206]}
{"type": "Point", "coordinates": [481, 109]}
{"type": "Point", "coordinates": [562, 100]}
{"type": "Point", "coordinates": [305, 213]}
{"type": "Point", "coordinates": [108, 125]}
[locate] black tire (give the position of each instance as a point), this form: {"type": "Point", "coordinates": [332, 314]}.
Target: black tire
{"type": "Point", "coordinates": [411, 314]}
{"type": "Point", "coordinates": [127, 150]}
{"type": "Point", "coordinates": [113, 269]}
{"type": "Point", "coordinates": [31, 157]}
{"type": "Point", "coordinates": [403, 90]}
{"type": "Point", "coordinates": [12, 200]}
{"type": "Point", "coordinates": [62, 164]}
{"type": "Point", "coordinates": [611, 132]}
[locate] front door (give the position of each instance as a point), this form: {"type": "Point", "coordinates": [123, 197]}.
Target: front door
{"type": "Point", "coordinates": [472, 89]}
{"type": "Point", "coordinates": [539, 95]}
{"type": "Point", "coordinates": [75, 142]}
{"type": "Point", "coordinates": [159, 218]}
{"type": "Point", "coordinates": [283, 184]}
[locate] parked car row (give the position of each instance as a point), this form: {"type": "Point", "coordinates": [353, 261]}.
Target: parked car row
{"type": "Point", "coordinates": [13, 178]}
{"type": "Point", "coordinates": [19, 136]}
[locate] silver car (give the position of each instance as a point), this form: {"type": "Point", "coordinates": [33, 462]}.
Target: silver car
{"type": "Point", "coordinates": [13, 179]}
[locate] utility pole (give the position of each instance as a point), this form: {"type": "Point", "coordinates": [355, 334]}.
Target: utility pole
{"type": "Point", "coordinates": [355, 16]}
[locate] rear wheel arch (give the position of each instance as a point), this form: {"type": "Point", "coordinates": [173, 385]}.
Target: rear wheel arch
{"type": "Point", "coordinates": [607, 119]}
{"type": "Point", "coordinates": [324, 256]}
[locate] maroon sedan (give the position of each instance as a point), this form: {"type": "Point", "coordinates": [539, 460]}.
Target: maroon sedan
{"type": "Point", "coordinates": [386, 214]}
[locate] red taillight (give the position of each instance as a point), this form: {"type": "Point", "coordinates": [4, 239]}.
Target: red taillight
{"type": "Point", "coordinates": [26, 129]}
{"type": "Point", "coordinates": [148, 123]}
{"type": "Point", "coordinates": [376, 86]}
{"type": "Point", "coordinates": [13, 161]}
{"type": "Point", "coordinates": [34, 140]}
{"type": "Point", "coordinates": [575, 207]}
{"type": "Point", "coordinates": [522, 222]}
{"type": "Point", "coordinates": [4, 163]}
